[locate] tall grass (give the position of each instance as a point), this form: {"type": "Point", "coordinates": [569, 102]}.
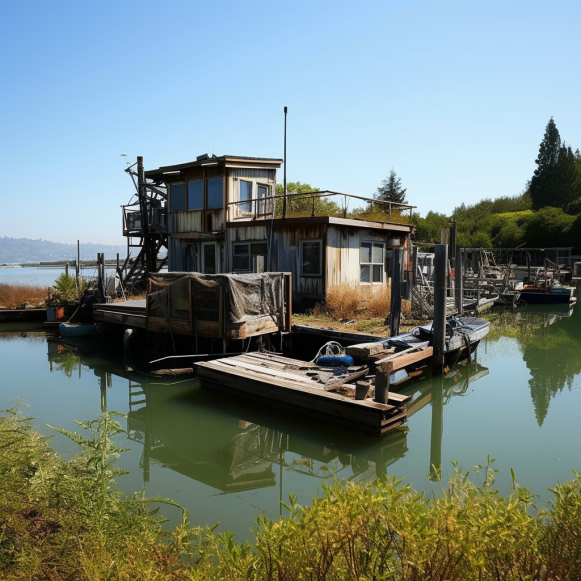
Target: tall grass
{"type": "Point", "coordinates": [351, 302]}
{"type": "Point", "coordinates": [14, 295]}
{"type": "Point", "coordinates": [67, 521]}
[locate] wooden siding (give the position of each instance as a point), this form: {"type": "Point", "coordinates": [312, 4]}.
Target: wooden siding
{"type": "Point", "coordinates": [343, 257]}
{"type": "Point", "coordinates": [286, 256]}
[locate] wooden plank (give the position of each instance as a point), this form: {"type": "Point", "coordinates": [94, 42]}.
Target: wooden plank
{"type": "Point", "coordinates": [403, 360]}
{"type": "Point", "coordinates": [364, 350]}
{"type": "Point", "coordinates": [281, 359]}
{"type": "Point", "coordinates": [277, 373]}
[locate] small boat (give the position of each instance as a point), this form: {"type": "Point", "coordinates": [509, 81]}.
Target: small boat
{"type": "Point", "coordinates": [462, 337]}
{"type": "Point", "coordinates": [80, 329]}
{"type": "Point", "coordinates": [543, 294]}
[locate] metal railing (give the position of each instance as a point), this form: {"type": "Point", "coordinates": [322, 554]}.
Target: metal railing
{"type": "Point", "coordinates": [316, 203]}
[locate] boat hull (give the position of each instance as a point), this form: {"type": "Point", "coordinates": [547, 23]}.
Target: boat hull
{"type": "Point", "coordinates": [70, 330]}
{"type": "Point", "coordinates": [553, 296]}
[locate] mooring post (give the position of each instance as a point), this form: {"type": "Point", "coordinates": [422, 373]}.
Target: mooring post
{"type": "Point", "coordinates": [439, 324]}
{"type": "Point", "coordinates": [395, 307]}
{"type": "Point", "coordinates": [458, 279]}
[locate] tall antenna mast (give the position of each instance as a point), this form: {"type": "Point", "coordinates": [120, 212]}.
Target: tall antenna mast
{"type": "Point", "coordinates": [284, 174]}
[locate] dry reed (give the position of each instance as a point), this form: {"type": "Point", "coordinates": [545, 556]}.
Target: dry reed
{"type": "Point", "coordinates": [343, 300]}
{"type": "Point", "coordinates": [14, 295]}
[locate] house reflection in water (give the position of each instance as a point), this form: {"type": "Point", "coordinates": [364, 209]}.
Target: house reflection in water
{"type": "Point", "coordinates": [201, 436]}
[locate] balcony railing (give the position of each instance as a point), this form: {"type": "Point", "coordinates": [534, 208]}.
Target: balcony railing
{"type": "Point", "coordinates": [132, 223]}
{"type": "Point", "coordinates": [319, 203]}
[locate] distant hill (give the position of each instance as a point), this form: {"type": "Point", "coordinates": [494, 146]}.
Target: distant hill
{"type": "Point", "coordinates": [25, 250]}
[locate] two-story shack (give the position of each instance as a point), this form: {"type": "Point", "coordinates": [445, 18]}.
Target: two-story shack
{"type": "Point", "coordinates": [223, 217]}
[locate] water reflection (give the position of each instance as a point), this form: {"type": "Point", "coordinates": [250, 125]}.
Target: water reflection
{"type": "Point", "coordinates": [234, 445]}
{"type": "Point", "coordinates": [549, 338]}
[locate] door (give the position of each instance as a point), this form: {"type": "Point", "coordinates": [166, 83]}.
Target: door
{"type": "Point", "coordinates": [210, 258]}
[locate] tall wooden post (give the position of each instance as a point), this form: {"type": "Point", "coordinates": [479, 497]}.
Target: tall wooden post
{"type": "Point", "coordinates": [458, 280]}
{"type": "Point", "coordinates": [150, 257]}
{"type": "Point", "coordinates": [395, 308]}
{"type": "Point", "coordinates": [439, 324]}
{"type": "Point", "coordinates": [78, 262]}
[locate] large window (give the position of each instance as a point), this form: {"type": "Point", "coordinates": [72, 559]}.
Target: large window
{"type": "Point", "coordinates": [177, 197]}
{"type": "Point", "coordinates": [372, 262]}
{"type": "Point", "coordinates": [196, 195]}
{"type": "Point", "coordinates": [215, 193]}
{"type": "Point", "coordinates": [311, 258]}
{"type": "Point", "coordinates": [249, 256]}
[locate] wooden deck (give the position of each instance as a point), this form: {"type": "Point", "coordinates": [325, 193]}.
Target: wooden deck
{"type": "Point", "coordinates": [127, 313]}
{"type": "Point", "coordinates": [298, 387]}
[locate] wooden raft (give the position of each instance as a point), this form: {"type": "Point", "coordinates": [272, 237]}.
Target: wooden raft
{"type": "Point", "coordinates": [287, 384]}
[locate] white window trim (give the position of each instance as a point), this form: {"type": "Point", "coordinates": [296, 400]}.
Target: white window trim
{"type": "Point", "coordinates": [301, 243]}
{"type": "Point", "coordinates": [372, 264]}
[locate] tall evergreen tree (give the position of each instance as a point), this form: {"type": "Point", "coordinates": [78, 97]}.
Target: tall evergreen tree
{"type": "Point", "coordinates": [390, 189]}
{"type": "Point", "coordinates": [545, 176]}
{"type": "Point", "coordinates": [556, 180]}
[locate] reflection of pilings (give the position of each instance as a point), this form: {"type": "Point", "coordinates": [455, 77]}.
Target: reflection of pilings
{"type": "Point", "coordinates": [437, 430]}
{"type": "Point", "coordinates": [103, 386]}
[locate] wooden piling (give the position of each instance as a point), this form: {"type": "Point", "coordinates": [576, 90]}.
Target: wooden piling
{"type": "Point", "coordinates": [458, 280]}
{"type": "Point", "coordinates": [395, 309]}
{"type": "Point", "coordinates": [439, 324]}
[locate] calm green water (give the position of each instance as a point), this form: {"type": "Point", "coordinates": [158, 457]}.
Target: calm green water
{"type": "Point", "coordinates": [226, 460]}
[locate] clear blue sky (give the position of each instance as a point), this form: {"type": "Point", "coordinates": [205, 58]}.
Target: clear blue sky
{"type": "Point", "coordinates": [453, 95]}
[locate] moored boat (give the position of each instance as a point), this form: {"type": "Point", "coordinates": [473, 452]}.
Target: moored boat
{"type": "Point", "coordinates": [80, 329]}
{"type": "Point", "coordinates": [540, 294]}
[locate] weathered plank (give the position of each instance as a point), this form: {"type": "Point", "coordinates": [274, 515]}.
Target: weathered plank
{"type": "Point", "coordinates": [403, 359]}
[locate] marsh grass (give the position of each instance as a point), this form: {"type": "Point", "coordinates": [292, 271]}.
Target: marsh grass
{"type": "Point", "coordinates": [14, 295]}
{"type": "Point", "coordinates": [66, 520]}
{"type": "Point", "coordinates": [366, 308]}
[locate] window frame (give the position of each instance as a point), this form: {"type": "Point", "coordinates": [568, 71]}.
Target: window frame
{"type": "Point", "coordinates": [250, 255]}
{"type": "Point", "coordinates": [171, 196]}
{"type": "Point", "coordinates": [371, 264]}
{"type": "Point", "coordinates": [188, 209]}
{"type": "Point", "coordinates": [207, 188]}
{"type": "Point", "coordinates": [302, 243]}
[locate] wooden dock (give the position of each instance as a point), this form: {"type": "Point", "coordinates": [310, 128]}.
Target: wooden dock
{"type": "Point", "coordinates": [304, 388]}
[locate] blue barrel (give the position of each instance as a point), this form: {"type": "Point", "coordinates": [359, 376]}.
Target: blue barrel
{"type": "Point", "coordinates": [335, 361]}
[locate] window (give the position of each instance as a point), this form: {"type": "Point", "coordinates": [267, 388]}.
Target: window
{"type": "Point", "coordinates": [245, 196]}
{"type": "Point", "coordinates": [196, 195]}
{"type": "Point", "coordinates": [215, 193]}
{"type": "Point", "coordinates": [311, 258]}
{"type": "Point", "coordinates": [264, 205]}
{"type": "Point", "coordinates": [372, 262]}
{"type": "Point", "coordinates": [249, 256]}
{"type": "Point", "coordinates": [177, 197]}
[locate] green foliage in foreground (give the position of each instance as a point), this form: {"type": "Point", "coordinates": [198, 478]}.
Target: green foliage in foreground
{"type": "Point", "coordinates": [65, 520]}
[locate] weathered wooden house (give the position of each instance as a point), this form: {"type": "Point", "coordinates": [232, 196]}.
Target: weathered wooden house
{"type": "Point", "coordinates": [223, 217]}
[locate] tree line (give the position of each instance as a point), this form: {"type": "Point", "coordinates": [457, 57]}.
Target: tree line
{"type": "Point", "coordinates": [546, 213]}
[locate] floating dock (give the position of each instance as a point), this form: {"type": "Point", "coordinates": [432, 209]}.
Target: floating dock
{"type": "Point", "coordinates": [304, 388]}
